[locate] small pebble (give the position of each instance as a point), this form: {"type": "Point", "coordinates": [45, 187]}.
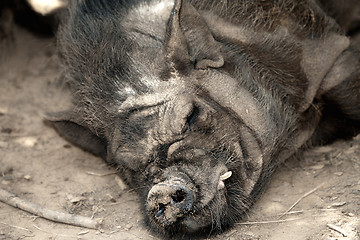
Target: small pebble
{"type": "Point", "coordinates": [350, 214]}
{"type": "Point", "coordinates": [27, 177]}
{"type": "Point", "coordinates": [27, 141]}
{"type": "Point", "coordinates": [75, 199]}
{"type": "Point", "coordinates": [317, 167]}
{"type": "Point", "coordinates": [250, 233]}
{"type": "Point", "coordinates": [128, 226]}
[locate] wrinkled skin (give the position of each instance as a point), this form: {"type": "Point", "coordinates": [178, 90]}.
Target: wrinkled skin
{"type": "Point", "coordinates": [197, 102]}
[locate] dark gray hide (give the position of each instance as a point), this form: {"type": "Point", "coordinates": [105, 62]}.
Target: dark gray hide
{"type": "Point", "coordinates": [197, 101]}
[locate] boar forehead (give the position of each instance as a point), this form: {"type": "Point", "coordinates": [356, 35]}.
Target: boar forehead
{"type": "Point", "coordinates": [222, 89]}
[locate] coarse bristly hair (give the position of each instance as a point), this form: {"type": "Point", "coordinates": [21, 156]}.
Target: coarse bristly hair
{"type": "Point", "coordinates": [95, 46]}
{"type": "Point", "coordinates": [97, 52]}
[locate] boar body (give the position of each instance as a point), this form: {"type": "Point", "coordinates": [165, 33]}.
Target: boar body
{"type": "Point", "coordinates": [196, 102]}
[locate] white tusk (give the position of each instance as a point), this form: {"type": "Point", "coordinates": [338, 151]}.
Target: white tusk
{"type": "Point", "coordinates": [225, 175]}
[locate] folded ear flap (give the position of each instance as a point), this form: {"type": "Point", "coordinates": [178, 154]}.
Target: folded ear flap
{"type": "Point", "coordinates": [72, 128]}
{"type": "Point", "coordinates": [190, 40]}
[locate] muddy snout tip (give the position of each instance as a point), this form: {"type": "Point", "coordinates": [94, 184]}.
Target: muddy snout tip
{"type": "Point", "coordinates": [169, 202]}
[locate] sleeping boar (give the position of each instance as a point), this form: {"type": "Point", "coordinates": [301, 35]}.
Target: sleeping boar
{"type": "Point", "coordinates": [196, 102]}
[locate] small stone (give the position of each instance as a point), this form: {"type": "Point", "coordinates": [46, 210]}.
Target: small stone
{"type": "Point", "coordinates": [27, 177]}
{"type": "Point", "coordinates": [74, 199]}
{"type": "Point", "coordinates": [317, 167]}
{"type": "Point", "coordinates": [250, 233]}
{"type": "Point", "coordinates": [339, 173]}
{"type": "Point", "coordinates": [350, 214]}
{"type": "Point", "coordinates": [27, 141]}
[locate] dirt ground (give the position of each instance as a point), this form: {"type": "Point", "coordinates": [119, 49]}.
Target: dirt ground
{"type": "Point", "coordinates": [38, 165]}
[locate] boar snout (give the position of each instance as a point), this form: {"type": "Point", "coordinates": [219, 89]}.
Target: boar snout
{"type": "Point", "coordinates": [170, 200]}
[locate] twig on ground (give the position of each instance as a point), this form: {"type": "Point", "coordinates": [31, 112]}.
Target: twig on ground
{"type": "Point", "coordinates": [12, 200]}
{"type": "Point", "coordinates": [301, 198]}
{"type": "Point", "coordinates": [268, 222]}
{"type": "Point", "coordinates": [336, 228]}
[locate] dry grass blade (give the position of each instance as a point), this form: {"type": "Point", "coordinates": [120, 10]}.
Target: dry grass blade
{"type": "Point", "coordinates": [338, 229]}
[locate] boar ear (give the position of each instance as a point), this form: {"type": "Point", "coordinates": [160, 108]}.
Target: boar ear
{"type": "Point", "coordinates": [190, 39]}
{"type": "Point", "coordinates": [69, 125]}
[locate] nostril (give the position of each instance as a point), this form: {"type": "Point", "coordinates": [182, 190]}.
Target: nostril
{"type": "Point", "coordinates": [161, 210]}
{"type": "Point", "coordinates": [179, 196]}
{"type": "Point", "coordinates": [192, 117]}
{"type": "Point", "coordinates": [169, 201]}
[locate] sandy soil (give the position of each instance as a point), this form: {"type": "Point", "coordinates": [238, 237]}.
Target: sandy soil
{"type": "Point", "coordinates": [38, 165]}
